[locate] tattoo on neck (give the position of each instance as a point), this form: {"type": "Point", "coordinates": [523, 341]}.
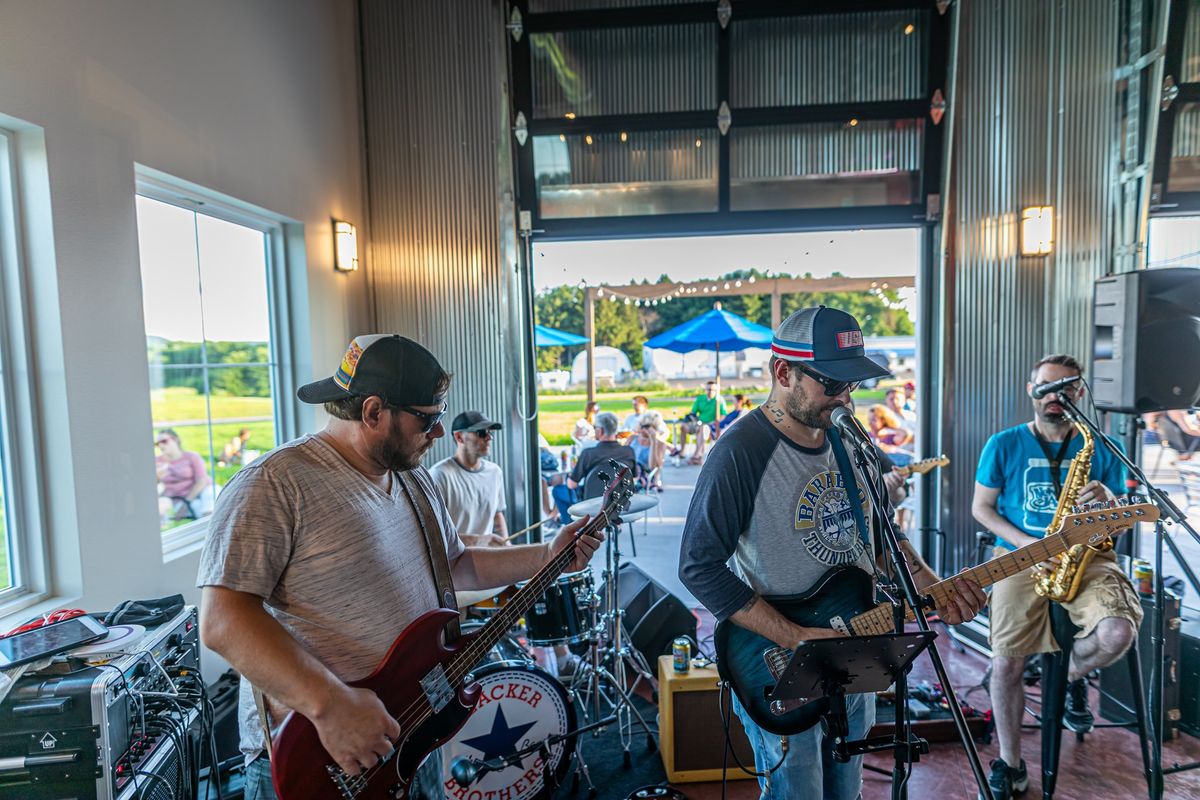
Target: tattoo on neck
{"type": "Point", "coordinates": [774, 410]}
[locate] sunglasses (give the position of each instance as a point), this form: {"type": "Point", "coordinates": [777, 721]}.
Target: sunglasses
{"type": "Point", "coordinates": [161, 442]}
{"type": "Point", "coordinates": [484, 434]}
{"type": "Point", "coordinates": [428, 421]}
{"type": "Point", "coordinates": [832, 388]}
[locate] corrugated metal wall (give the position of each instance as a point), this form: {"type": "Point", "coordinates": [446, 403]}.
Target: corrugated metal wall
{"type": "Point", "coordinates": [442, 251]}
{"type": "Point", "coordinates": [1034, 126]}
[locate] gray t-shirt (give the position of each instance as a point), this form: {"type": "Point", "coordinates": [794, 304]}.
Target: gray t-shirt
{"type": "Point", "coordinates": [341, 564]}
{"type": "Point", "coordinates": [473, 497]}
{"type": "Point", "coordinates": [780, 509]}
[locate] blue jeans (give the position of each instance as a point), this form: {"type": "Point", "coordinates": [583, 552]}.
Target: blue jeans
{"type": "Point", "coordinates": [427, 784]}
{"type": "Point", "coordinates": [564, 497]}
{"type": "Point", "coordinates": [809, 771]}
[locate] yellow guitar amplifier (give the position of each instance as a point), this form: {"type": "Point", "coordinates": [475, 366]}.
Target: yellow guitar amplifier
{"type": "Point", "coordinates": [691, 736]}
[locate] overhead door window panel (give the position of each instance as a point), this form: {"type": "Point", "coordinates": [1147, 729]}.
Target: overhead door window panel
{"type": "Point", "coordinates": [627, 173]}
{"type": "Point", "coordinates": [822, 165]}
{"type": "Point", "coordinates": [1185, 150]}
{"type": "Point", "coordinates": [607, 71]}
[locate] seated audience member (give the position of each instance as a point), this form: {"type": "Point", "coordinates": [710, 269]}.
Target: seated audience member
{"type": "Point", "coordinates": [235, 449]}
{"type": "Point", "coordinates": [1180, 430]}
{"type": "Point", "coordinates": [472, 486]}
{"type": "Point", "coordinates": [607, 447]}
{"type": "Point", "coordinates": [634, 420]}
{"type": "Point", "coordinates": [584, 434]}
{"type": "Point", "coordinates": [741, 407]}
{"type": "Point", "coordinates": [186, 491]}
{"type": "Point", "coordinates": [910, 397]}
{"type": "Point", "coordinates": [890, 435]}
{"type": "Point", "coordinates": [650, 445]}
{"type": "Point", "coordinates": [894, 400]}
{"type": "Point", "coordinates": [707, 408]}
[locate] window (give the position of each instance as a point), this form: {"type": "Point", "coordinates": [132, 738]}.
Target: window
{"type": "Point", "coordinates": [206, 287]}
{"type": "Point", "coordinates": [10, 571]}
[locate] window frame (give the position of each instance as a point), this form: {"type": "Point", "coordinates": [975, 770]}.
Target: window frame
{"type": "Point", "coordinates": [157, 186]}
{"type": "Point", "coordinates": [25, 503]}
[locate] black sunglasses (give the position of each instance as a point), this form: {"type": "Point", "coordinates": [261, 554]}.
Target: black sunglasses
{"type": "Point", "coordinates": [832, 388]}
{"type": "Point", "coordinates": [428, 421]}
{"type": "Point", "coordinates": [486, 433]}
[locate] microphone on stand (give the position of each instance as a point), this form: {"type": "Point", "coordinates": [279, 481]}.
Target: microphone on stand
{"type": "Point", "coordinates": [1043, 389]}
{"type": "Point", "coordinates": [466, 771]}
{"type": "Point", "coordinates": [851, 429]}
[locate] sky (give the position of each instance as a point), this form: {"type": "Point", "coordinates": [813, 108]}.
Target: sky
{"type": "Point", "coordinates": [862, 253]}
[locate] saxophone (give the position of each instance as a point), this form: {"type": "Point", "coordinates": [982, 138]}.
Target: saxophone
{"type": "Point", "coordinates": [1062, 583]}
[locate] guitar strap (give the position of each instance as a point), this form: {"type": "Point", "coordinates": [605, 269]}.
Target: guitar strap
{"type": "Point", "coordinates": [435, 545]}
{"type": "Point", "coordinates": [851, 484]}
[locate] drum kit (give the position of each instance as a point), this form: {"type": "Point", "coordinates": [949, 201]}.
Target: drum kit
{"type": "Point", "coordinates": [523, 738]}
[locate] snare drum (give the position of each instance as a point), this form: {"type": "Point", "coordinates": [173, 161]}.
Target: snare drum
{"type": "Point", "coordinates": [560, 616]}
{"type": "Point", "coordinates": [519, 704]}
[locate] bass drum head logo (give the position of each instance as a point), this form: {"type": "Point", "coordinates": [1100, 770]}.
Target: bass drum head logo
{"type": "Point", "coordinates": [519, 704]}
{"type": "Point", "coordinates": [825, 520]}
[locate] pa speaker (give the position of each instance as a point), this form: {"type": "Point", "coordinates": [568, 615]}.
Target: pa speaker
{"type": "Point", "coordinates": [1146, 340]}
{"type": "Point", "coordinates": [652, 615]}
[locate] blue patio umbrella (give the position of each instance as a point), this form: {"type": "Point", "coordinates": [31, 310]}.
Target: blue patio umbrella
{"type": "Point", "coordinates": [715, 330]}
{"type": "Point", "coordinates": [552, 337]}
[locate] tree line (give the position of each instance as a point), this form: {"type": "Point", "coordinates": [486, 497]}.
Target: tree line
{"type": "Point", "coordinates": [185, 362]}
{"type": "Point", "coordinates": [628, 326]}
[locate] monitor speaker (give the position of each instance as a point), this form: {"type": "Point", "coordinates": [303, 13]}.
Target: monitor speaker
{"type": "Point", "coordinates": [652, 615]}
{"type": "Point", "coordinates": [1146, 340]}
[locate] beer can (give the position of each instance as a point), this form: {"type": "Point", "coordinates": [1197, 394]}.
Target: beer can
{"type": "Point", "coordinates": [681, 651]}
{"type": "Point", "coordinates": [1143, 577]}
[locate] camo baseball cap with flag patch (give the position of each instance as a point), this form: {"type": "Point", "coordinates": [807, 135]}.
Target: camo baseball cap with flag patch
{"type": "Point", "coordinates": [393, 367]}
{"type": "Point", "coordinates": [827, 341]}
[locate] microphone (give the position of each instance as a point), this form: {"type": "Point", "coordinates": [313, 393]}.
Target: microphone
{"type": "Point", "coordinates": [466, 770]}
{"type": "Point", "coordinates": [1043, 389]}
{"type": "Point", "coordinates": [845, 421]}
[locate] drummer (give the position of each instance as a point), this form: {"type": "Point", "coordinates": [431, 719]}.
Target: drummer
{"type": "Point", "coordinates": [472, 486]}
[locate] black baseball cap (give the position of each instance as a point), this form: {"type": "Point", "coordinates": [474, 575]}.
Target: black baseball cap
{"type": "Point", "coordinates": [827, 341]}
{"type": "Point", "coordinates": [393, 367]}
{"type": "Point", "coordinates": [473, 421]}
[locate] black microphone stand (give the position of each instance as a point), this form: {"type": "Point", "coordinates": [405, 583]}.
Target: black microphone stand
{"type": "Point", "coordinates": [1170, 513]}
{"type": "Point", "coordinates": [906, 750]}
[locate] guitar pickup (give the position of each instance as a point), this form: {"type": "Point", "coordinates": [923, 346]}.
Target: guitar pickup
{"type": "Point", "coordinates": [437, 688]}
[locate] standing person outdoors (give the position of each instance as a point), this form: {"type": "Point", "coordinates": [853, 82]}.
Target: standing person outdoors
{"type": "Point", "coordinates": [1017, 486]}
{"type": "Point", "coordinates": [708, 408]}
{"type": "Point", "coordinates": [186, 486]}
{"type": "Point", "coordinates": [319, 555]}
{"type": "Point", "coordinates": [774, 496]}
{"type": "Point", "coordinates": [472, 486]}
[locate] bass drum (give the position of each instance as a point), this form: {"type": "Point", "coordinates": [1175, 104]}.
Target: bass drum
{"type": "Point", "coordinates": [507, 649]}
{"type": "Point", "coordinates": [520, 704]}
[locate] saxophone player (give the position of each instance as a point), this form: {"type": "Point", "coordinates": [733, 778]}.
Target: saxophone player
{"type": "Point", "coordinates": [1018, 483]}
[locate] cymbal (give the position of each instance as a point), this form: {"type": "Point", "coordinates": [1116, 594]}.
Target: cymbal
{"type": "Point", "coordinates": [637, 504]}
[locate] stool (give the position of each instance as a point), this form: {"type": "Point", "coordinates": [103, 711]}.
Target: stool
{"type": "Point", "coordinates": [1055, 667]}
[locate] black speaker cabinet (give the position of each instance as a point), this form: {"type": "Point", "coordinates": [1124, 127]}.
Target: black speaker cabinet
{"type": "Point", "coordinates": [1189, 678]}
{"type": "Point", "coordinates": [1146, 340]}
{"type": "Point", "coordinates": [652, 615]}
{"type": "Point", "coordinates": [1116, 700]}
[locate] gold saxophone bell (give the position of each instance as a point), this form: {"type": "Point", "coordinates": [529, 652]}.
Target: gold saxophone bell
{"type": "Point", "coordinates": [1061, 583]}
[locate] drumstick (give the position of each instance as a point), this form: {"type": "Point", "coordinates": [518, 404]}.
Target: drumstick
{"type": "Point", "coordinates": [512, 536]}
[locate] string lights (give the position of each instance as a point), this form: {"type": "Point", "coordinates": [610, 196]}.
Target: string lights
{"type": "Point", "coordinates": [670, 291]}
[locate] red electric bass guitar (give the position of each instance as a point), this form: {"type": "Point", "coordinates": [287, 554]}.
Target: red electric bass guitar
{"type": "Point", "coordinates": [425, 683]}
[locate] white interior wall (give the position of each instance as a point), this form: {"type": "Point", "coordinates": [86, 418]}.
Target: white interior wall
{"type": "Point", "coordinates": [255, 100]}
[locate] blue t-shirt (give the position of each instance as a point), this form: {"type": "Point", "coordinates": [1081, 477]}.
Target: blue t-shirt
{"type": "Point", "coordinates": [1013, 462]}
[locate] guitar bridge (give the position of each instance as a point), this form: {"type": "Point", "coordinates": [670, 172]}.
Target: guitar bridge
{"type": "Point", "coordinates": [347, 788]}
{"type": "Point", "coordinates": [437, 688]}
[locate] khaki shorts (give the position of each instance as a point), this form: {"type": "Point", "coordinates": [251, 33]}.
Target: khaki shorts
{"type": "Point", "coordinates": [1020, 618]}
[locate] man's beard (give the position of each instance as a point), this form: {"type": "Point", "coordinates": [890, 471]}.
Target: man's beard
{"type": "Point", "coordinates": [814, 415]}
{"type": "Point", "coordinates": [1052, 419]}
{"type": "Point", "coordinates": [395, 454]}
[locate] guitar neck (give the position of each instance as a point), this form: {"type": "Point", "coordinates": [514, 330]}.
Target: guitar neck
{"type": "Point", "coordinates": [501, 623]}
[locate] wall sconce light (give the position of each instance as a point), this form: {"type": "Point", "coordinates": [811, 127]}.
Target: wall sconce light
{"type": "Point", "coordinates": [345, 246]}
{"type": "Point", "coordinates": [1037, 231]}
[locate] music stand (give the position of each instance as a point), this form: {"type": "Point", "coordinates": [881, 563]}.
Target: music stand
{"type": "Point", "coordinates": [833, 668]}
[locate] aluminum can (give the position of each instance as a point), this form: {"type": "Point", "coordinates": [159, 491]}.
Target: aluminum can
{"type": "Point", "coordinates": [1143, 577]}
{"type": "Point", "coordinates": [681, 652]}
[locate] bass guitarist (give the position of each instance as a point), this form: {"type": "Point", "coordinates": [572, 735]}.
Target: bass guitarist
{"type": "Point", "coordinates": [318, 557]}
{"type": "Point", "coordinates": [773, 495]}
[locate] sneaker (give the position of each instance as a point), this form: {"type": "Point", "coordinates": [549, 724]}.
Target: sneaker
{"type": "Point", "coordinates": [1005, 781]}
{"type": "Point", "coordinates": [1077, 716]}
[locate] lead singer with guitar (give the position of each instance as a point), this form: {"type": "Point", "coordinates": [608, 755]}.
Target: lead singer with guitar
{"type": "Point", "coordinates": [317, 558]}
{"type": "Point", "coordinates": [773, 495]}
